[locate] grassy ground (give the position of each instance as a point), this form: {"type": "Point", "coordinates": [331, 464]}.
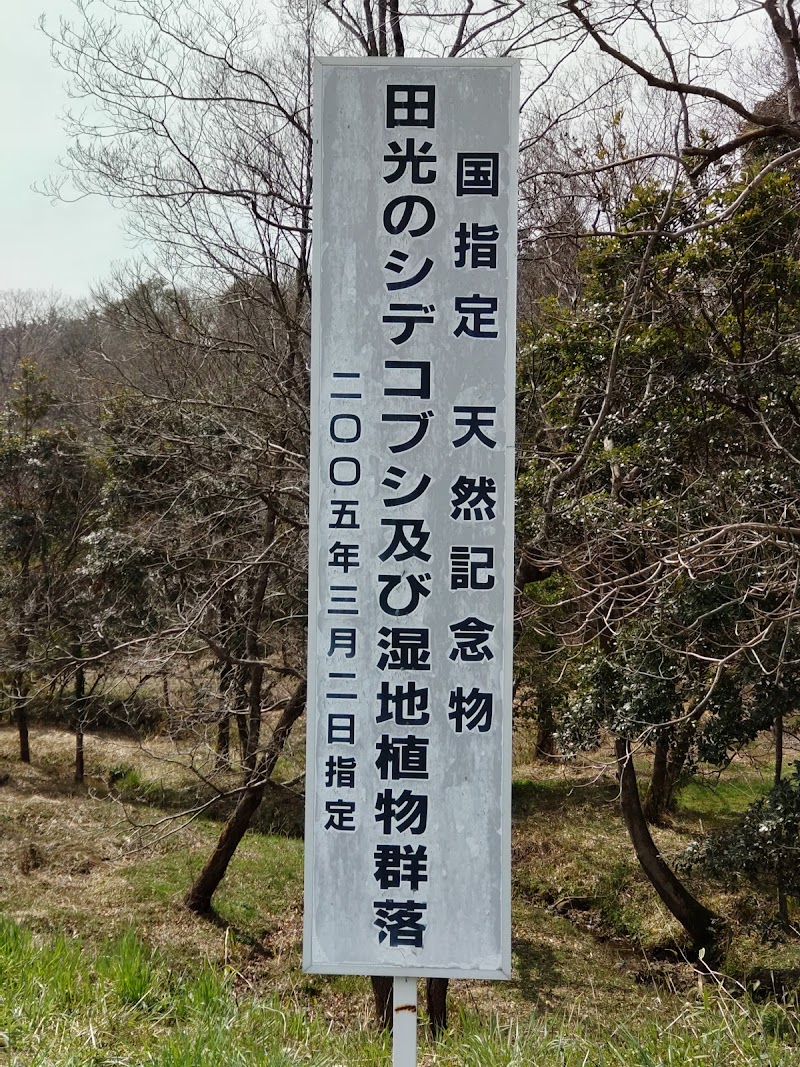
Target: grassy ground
{"type": "Point", "coordinates": [123, 1004]}
{"type": "Point", "coordinates": [597, 979]}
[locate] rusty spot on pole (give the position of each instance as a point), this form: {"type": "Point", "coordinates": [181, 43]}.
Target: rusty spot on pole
{"type": "Point", "coordinates": [406, 1007]}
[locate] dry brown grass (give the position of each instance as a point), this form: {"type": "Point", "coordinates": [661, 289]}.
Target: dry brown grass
{"type": "Point", "coordinates": [74, 858]}
{"type": "Point", "coordinates": [66, 849]}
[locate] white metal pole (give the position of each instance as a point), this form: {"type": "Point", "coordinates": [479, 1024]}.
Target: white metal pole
{"type": "Point", "coordinates": [404, 1029]}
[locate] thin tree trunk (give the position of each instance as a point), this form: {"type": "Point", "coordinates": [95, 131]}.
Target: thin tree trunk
{"type": "Point", "coordinates": [19, 693]}
{"type": "Point", "coordinates": [19, 684]}
{"type": "Point", "coordinates": [654, 804]}
{"type": "Point", "coordinates": [253, 720]}
{"type": "Point", "coordinates": [240, 711]}
{"type": "Point", "coordinates": [396, 28]}
{"type": "Point", "coordinates": [199, 896]}
{"type": "Point", "coordinates": [227, 679]}
{"type": "Point", "coordinates": [253, 649]}
{"type": "Point", "coordinates": [223, 742]}
{"type": "Point", "coordinates": [79, 757]}
{"type": "Point", "coordinates": [382, 989]}
{"type": "Point", "coordinates": [777, 734]}
{"type": "Point", "coordinates": [223, 746]}
{"type": "Point", "coordinates": [436, 992]}
{"type": "Point", "coordinates": [79, 697]}
{"type": "Point", "coordinates": [545, 730]}
{"type": "Point", "coordinates": [696, 919]}
{"type": "Point", "coordinates": [669, 764]}
{"type": "Point", "coordinates": [223, 738]}
{"type": "Point", "coordinates": [381, 27]}
{"type": "Point", "coordinates": [676, 766]}
{"type": "Point", "coordinates": [372, 44]}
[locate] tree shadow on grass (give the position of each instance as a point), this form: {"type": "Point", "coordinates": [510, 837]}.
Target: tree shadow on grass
{"type": "Point", "coordinates": [529, 797]}
{"type": "Point", "coordinates": [535, 966]}
{"type": "Point", "coordinates": [255, 942]}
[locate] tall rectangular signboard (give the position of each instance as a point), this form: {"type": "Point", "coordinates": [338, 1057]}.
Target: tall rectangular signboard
{"type": "Point", "coordinates": [410, 599]}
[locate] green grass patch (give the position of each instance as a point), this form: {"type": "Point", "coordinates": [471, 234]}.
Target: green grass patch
{"type": "Point", "coordinates": [720, 802]}
{"type": "Point", "coordinates": [584, 922]}
{"type": "Point", "coordinates": [265, 877]}
{"type": "Point", "coordinates": [164, 878]}
{"type": "Point", "coordinates": [62, 1005]}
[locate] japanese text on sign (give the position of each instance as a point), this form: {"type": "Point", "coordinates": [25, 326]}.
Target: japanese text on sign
{"type": "Point", "coordinates": [410, 642]}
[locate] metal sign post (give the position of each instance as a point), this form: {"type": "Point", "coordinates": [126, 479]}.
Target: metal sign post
{"type": "Point", "coordinates": [408, 777]}
{"type": "Point", "coordinates": [404, 1029]}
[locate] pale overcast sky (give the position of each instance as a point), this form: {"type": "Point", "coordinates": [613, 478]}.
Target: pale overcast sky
{"type": "Point", "coordinates": [59, 246]}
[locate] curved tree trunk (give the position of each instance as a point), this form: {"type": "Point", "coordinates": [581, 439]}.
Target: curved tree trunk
{"type": "Point", "coordinates": [700, 923]}
{"type": "Point", "coordinates": [198, 898]}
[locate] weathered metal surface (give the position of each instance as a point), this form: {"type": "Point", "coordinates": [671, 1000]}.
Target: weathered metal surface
{"type": "Point", "coordinates": [410, 617]}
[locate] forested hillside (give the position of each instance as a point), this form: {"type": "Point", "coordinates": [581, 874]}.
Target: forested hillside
{"type": "Point", "coordinates": [154, 527]}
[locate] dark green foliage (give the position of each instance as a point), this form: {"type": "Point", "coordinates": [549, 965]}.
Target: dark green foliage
{"type": "Point", "coordinates": [677, 536]}
{"type": "Point", "coordinates": [763, 848]}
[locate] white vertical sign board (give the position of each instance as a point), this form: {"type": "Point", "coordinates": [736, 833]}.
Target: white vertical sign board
{"type": "Point", "coordinates": [410, 602]}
